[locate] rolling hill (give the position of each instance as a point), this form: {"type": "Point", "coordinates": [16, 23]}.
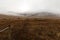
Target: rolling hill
{"type": "Point", "coordinates": [37, 26]}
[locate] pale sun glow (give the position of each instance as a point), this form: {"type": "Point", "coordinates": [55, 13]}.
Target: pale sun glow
{"type": "Point", "coordinates": [24, 7]}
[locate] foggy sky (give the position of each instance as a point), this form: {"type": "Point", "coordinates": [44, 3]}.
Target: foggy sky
{"type": "Point", "coordinates": [29, 5]}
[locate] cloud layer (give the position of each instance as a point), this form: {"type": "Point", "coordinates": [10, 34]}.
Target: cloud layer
{"type": "Point", "coordinates": [30, 5]}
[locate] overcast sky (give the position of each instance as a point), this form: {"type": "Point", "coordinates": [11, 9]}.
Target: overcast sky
{"type": "Point", "coordinates": [29, 5]}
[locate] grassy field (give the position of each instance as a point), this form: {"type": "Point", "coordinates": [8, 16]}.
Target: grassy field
{"type": "Point", "coordinates": [21, 28]}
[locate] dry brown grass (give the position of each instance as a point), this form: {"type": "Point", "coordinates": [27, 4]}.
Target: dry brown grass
{"type": "Point", "coordinates": [21, 28]}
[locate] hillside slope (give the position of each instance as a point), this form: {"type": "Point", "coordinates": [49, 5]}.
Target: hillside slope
{"type": "Point", "coordinates": [32, 27]}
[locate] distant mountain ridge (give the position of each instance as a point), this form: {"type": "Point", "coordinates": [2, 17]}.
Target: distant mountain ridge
{"type": "Point", "coordinates": [32, 14]}
{"type": "Point", "coordinates": [40, 14]}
